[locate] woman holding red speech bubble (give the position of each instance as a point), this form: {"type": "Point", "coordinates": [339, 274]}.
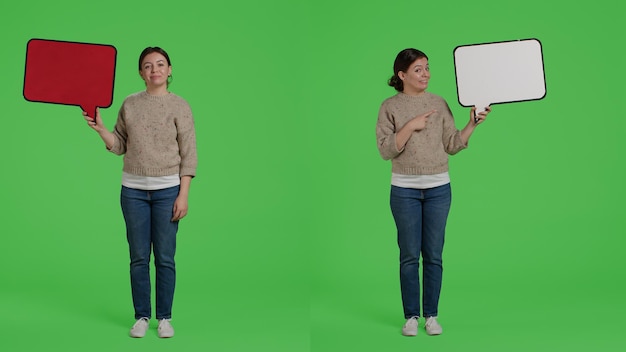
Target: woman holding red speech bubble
{"type": "Point", "coordinates": [155, 133]}
{"type": "Point", "coordinates": [416, 131]}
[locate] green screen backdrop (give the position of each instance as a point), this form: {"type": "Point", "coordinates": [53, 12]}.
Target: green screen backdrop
{"type": "Point", "coordinates": [289, 244]}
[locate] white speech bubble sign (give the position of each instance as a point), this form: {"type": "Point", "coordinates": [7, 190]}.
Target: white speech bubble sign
{"type": "Point", "coordinates": [500, 72]}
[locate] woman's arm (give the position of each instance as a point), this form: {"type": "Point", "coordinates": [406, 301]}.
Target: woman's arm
{"type": "Point", "coordinates": [418, 123]}
{"type": "Point", "coordinates": [96, 124]}
{"type": "Point", "coordinates": [181, 205]}
{"type": "Point", "coordinates": [391, 142]}
{"type": "Point", "coordinates": [467, 131]}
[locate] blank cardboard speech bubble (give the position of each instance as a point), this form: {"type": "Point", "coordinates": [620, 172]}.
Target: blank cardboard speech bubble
{"type": "Point", "coordinates": [501, 72]}
{"type": "Point", "coordinates": [70, 73]}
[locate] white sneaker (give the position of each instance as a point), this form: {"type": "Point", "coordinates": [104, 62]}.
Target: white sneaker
{"type": "Point", "coordinates": [165, 328]}
{"type": "Point", "coordinates": [140, 327]}
{"type": "Point", "coordinates": [432, 326]}
{"type": "Point", "coordinates": [410, 327]}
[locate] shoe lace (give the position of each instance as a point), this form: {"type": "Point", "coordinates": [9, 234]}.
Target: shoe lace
{"type": "Point", "coordinates": [140, 321]}
{"type": "Point", "coordinates": [411, 321]}
{"type": "Point", "coordinates": [431, 321]}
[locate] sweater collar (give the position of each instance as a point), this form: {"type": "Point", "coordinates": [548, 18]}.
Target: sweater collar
{"type": "Point", "coordinates": [405, 96]}
{"type": "Point", "coordinates": [147, 95]}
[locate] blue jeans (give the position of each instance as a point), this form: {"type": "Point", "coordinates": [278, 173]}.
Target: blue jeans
{"type": "Point", "coordinates": [149, 225]}
{"type": "Point", "coordinates": [420, 216]}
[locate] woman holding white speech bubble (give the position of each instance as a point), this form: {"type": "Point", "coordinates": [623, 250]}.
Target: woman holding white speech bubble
{"type": "Point", "coordinates": [416, 131]}
{"type": "Point", "coordinates": [155, 133]}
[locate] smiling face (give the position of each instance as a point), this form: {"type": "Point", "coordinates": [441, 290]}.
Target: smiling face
{"type": "Point", "coordinates": [416, 77]}
{"type": "Point", "coordinates": [155, 69]}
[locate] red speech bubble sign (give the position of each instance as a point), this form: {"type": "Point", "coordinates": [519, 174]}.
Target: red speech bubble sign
{"type": "Point", "coordinates": [70, 73]}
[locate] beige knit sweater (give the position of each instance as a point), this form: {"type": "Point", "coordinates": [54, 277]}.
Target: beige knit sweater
{"type": "Point", "coordinates": [156, 135]}
{"type": "Point", "coordinates": [426, 152]}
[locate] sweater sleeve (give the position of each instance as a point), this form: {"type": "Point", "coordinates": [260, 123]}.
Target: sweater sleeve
{"type": "Point", "coordinates": [451, 135]}
{"type": "Point", "coordinates": [186, 137]}
{"type": "Point", "coordinates": [386, 134]}
{"type": "Point", "coordinates": [120, 133]}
